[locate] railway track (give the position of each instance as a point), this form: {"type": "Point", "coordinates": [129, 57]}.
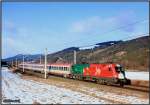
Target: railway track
{"type": "Point", "coordinates": [135, 88]}
{"type": "Point", "coordinates": [126, 87]}
{"type": "Point", "coordinates": [140, 88]}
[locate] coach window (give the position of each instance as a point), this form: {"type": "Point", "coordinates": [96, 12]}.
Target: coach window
{"type": "Point", "coordinates": [64, 68]}
{"type": "Point", "coordinates": [49, 67]}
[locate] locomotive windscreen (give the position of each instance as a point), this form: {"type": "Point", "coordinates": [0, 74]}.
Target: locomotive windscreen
{"type": "Point", "coordinates": [119, 69]}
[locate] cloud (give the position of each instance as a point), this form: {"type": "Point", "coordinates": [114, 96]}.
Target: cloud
{"type": "Point", "coordinates": [18, 39]}
{"type": "Point", "coordinates": [10, 28]}
{"type": "Point", "coordinates": [93, 25]}
{"type": "Point", "coordinates": [11, 46]}
{"type": "Point", "coordinates": [98, 25]}
{"type": "Point", "coordinates": [14, 39]}
{"type": "Point", "coordinates": [125, 18]}
{"type": "Point", "coordinates": [85, 25]}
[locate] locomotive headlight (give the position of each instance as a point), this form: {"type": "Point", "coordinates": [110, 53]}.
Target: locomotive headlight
{"type": "Point", "coordinates": [120, 76]}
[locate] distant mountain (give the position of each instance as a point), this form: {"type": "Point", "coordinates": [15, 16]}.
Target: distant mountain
{"type": "Point", "coordinates": [109, 43]}
{"type": "Point", "coordinates": [132, 54]}
{"type": "Point", "coordinates": [27, 57]}
{"type": "Point", "coordinates": [71, 49]}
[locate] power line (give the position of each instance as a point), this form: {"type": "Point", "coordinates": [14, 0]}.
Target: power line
{"type": "Point", "coordinates": [128, 25]}
{"type": "Point", "coordinates": [121, 39]}
{"type": "Point", "coordinates": [121, 27]}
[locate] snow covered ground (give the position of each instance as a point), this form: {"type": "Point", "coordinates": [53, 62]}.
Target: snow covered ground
{"type": "Point", "coordinates": [29, 91]}
{"type": "Point", "coordinates": [137, 75]}
{"type": "Point", "coordinates": [13, 87]}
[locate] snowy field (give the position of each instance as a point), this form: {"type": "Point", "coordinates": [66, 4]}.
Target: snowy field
{"type": "Point", "coordinates": [29, 91]}
{"type": "Point", "coordinates": [137, 75]}
{"type": "Point", "coordinates": [13, 87]}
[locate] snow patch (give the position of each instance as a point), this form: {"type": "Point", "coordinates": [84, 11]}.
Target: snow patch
{"type": "Point", "coordinates": [137, 75]}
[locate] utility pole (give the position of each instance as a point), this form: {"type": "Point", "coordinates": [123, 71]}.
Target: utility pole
{"type": "Point", "coordinates": [23, 63]}
{"type": "Point", "coordinates": [16, 62]}
{"type": "Point", "coordinates": [40, 58]}
{"type": "Point", "coordinates": [92, 57]}
{"type": "Point", "coordinates": [12, 63]}
{"type": "Point", "coordinates": [45, 62]}
{"type": "Point", "coordinates": [75, 56]}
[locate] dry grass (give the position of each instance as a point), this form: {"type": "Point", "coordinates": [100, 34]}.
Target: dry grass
{"type": "Point", "coordinates": [140, 83]}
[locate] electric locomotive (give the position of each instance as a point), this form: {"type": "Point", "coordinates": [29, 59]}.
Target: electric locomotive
{"type": "Point", "coordinates": [101, 73]}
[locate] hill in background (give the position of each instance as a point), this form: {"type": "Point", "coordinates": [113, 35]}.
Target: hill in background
{"type": "Point", "coordinates": [132, 54]}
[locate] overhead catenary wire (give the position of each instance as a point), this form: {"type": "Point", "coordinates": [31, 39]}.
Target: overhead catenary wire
{"type": "Point", "coordinates": [128, 25]}
{"type": "Point", "coordinates": [118, 28]}
{"type": "Point", "coordinates": [89, 45]}
{"type": "Point", "coordinates": [110, 31]}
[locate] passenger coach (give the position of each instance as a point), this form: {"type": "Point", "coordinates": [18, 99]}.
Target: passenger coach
{"type": "Point", "coordinates": [60, 69]}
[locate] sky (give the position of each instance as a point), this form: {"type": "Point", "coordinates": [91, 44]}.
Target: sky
{"type": "Point", "coordinates": [30, 27]}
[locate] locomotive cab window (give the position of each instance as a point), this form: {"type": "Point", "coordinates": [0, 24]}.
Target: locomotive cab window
{"type": "Point", "coordinates": [117, 69]}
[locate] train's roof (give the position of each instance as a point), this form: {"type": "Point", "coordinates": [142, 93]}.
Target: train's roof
{"type": "Point", "coordinates": [52, 64]}
{"type": "Point", "coordinates": [55, 64]}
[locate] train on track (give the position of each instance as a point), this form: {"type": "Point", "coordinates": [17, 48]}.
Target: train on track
{"type": "Point", "coordinates": [109, 73]}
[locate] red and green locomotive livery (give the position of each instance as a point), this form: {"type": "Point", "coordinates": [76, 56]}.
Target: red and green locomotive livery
{"type": "Point", "coordinates": [109, 73]}
{"type": "Point", "coordinates": [100, 73]}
